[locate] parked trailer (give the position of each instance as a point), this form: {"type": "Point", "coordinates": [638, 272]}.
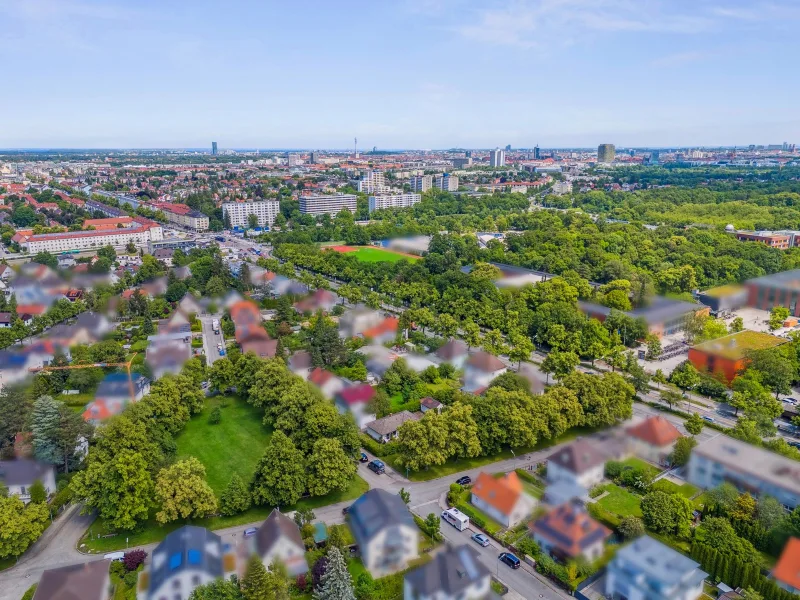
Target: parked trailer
{"type": "Point", "coordinates": [456, 518]}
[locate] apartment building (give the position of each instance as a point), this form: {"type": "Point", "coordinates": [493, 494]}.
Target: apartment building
{"type": "Point", "coordinates": [239, 212]}
{"type": "Point", "coordinates": [782, 240]}
{"type": "Point", "coordinates": [562, 187]}
{"type": "Point", "coordinates": [320, 204]}
{"type": "Point", "coordinates": [183, 216]}
{"type": "Point", "coordinates": [139, 230]}
{"type": "Point", "coordinates": [380, 201]}
{"type": "Point", "coordinates": [421, 183]}
{"type": "Point", "coordinates": [497, 158]}
{"type": "Point", "coordinates": [372, 182]}
{"type": "Point", "coordinates": [445, 182]}
{"type": "Point", "coordinates": [747, 467]}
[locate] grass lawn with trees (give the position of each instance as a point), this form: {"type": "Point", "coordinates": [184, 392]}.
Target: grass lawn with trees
{"type": "Point", "coordinates": [372, 254]}
{"type": "Point", "coordinates": [621, 502]}
{"type": "Point", "coordinates": [234, 445]}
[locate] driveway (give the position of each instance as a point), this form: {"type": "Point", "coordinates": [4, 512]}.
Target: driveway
{"type": "Point", "coordinates": [211, 339]}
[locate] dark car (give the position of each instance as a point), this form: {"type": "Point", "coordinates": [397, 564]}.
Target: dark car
{"type": "Point", "coordinates": [364, 457]}
{"type": "Point", "coordinates": [511, 560]}
{"type": "Point", "coordinates": [345, 510]}
{"type": "Point", "coordinates": [377, 466]}
{"type": "Point", "coordinates": [465, 480]}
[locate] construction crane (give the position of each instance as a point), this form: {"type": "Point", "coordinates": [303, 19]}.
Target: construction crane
{"type": "Point", "coordinates": [127, 366]}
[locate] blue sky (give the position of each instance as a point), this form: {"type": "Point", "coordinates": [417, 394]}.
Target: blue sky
{"type": "Point", "coordinates": [398, 73]}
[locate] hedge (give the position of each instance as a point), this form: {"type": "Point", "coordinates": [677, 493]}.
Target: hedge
{"type": "Point", "coordinates": [376, 448]}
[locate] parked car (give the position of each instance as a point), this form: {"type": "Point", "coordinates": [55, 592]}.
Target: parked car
{"type": "Point", "coordinates": [250, 531]}
{"type": "Point", "coordinates": [707, 418]}
{"type": "Point", "coordinates": [114, 556]}
{"type": "Point", "coordinates": [465, 480]}
{"type": "Point", "coordinates": [511, 560]}
{"type": "Point", "coordinates": [345, 510]}
{"type": "Point", "coordinates": [480, 539]}
{"type": "Point", "coordinates": [364, 457]}
{"type": "Point", "coordinates": [791, 401]}
{"type": "Point", "coordinates": [377, 466]}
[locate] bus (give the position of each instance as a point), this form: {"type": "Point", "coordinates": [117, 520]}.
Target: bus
{"type": "Point", "coordinates": [456, 518]}
{"type": "Point", "coordinates": [215, 325]}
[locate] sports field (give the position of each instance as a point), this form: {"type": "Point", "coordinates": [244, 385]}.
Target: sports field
{"type": "Point", "coordinates": [372, 254]}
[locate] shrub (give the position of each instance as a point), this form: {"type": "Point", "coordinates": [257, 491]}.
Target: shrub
{"type": "Point", "coordinates": [376, 448]}
{"type": "Point", "coordinates": [37, 492]}
{"type": "Point", "coordinates": [318, 570]}
{"type": "Point", "coordinates": [613, 469]}
{"type": "Point", "coordinates": [631, 527]}
{"type": "Point", "coordinates": [130, 579]}
{"type": "Point", "coordinates": [454, 495]}
{"type": "Point", "coordinates": [216, 416]}
{"type": "Point", "coordinates": [301, 581]}
{"type": "Point", "coordinates": [133, 559]}
{"type": "Point", "coordinates": [117, 569]}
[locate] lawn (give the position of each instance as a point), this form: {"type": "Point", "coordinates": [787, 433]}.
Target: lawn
{"type": "Point", "coordinates": [372, 254]}
{"type": "Point", "coordinates": [638, 463]}
{"type": "Point", "coordinates": [687, 490]}
{"type": "Point", "coordinates": [151, 531]}
{"type": "Point", "coordinates": [234, 445]}
{"type": "Point", "coordinates": [621, 502]}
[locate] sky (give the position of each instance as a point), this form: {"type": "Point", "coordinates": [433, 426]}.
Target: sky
{"type": "Point", "coordinates": [418, 74]}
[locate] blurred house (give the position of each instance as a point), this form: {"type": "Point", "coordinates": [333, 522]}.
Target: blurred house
{"type": "Point", "coordinates": [429, 403]}
{"type": "Point", "coordinates": [567, 532]}
{"type": "Point", "coordinates": [189, 305]}
{"type": "Point", "coordinates": [19, 475]}
{"type": "Point", "coordinates": [260, 345]}
{"type": "Point", "coordinates": [88, 328]}
{"type": "Point", "coordinates": [727, 356]}
{"type": "Point", "coordinates": [646, 568]}
{"type": "Point", "coordinates": [787, 571]}
{"type": "Point", "coordinates": [187, 558]}
{"type": "Point", "coordinates": [167, 356]}
{"type": "Point", "coordinates": [385, 429]}
{"type": "Point", "coordinates": [502, 498]}
{"type": "Point", "coordinates": [453, 574]}
{"type": "Point", "coordinates": [480, 369]}
{"type": "Point", "coordinates": [453, 352]}
{"type": "Point", "coordinates": [328, 383]}
{"type": "Point", "coordinates": [321, 299]}
{"type": "Point", "coordinates": [83, 581]}
{"type": "Point", "coordinates": [300, 363]}
{"type": "Point", "coordinates": [385, 532]}
{"type": "Point", "coordinates": [279, 539]}
{"type": "Point", "coordinates": [580, 463]}
{"type": "Point", "coordinates": [653, 439]}
{"type": "Point", "coordinates": [355, 400]}
{"type": "Point", "coordinates": [113, 395]}
{"type": "Point", "coordinates": [356, 321]}
{"type": "Point", "coordinates": [178, 322]}
{"type": "Point", "coordinates": [664, 316]}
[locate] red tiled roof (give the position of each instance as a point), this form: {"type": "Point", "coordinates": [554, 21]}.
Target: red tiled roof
{"type": "Point", "coordinates": [570, 528]}
{"type": "Point", "coordinates": [31, 309]}
{"type": "Point", "coordinates": [358, 394]}
{"type": "Point", "coordinates": [388, 325]}
{"type": "Point", "coordinates": [320, 376]}
{"type": "Point", "coordinates": [485, 362]}
{"type": "Point", "coordinates": [656, 431]}
{"type": "Point", "coordinates": [501, 493]}
{"type": "Point", "coordinates": [787, 570]}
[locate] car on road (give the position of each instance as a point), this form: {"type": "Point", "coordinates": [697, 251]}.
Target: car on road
{"type": "Point", "coordinates": [791, 401]}
{"type": "Point", "coordinates": [222, 352]}
{"type": "Point", "coordinates": [345, 510]}
{"type": "Point", "coordinates": [114, 556]}
{"type": "Point", "coordinates": [250, 531]}
{"type": "Point", "coordinates": [794, 444]}
{"type": "Point", "coordinates": [377, 466]}
{"type": "Point", "coordinates": [364, 457]}
{"type": "Point", "coordinates": [707, 418]}
{"type": "Point", "coordinates": [511, 560]}
{"type": "Point", "coordinates": [465, 480]}
{"type": "Point", "coordinates": [480, 539]}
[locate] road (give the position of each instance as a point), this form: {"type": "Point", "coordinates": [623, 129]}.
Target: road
{"type": "Point", "coordinates": [211, 339]}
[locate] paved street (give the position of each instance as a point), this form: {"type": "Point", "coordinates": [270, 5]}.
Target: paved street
{"type": "Point", "coordinates": [211, 339]}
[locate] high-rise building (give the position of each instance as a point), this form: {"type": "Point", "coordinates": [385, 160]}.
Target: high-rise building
{"type": "Point", "coordinates": [446, 182]}
{"type": "Point", "coordinates": [460, 163]}
{"type": "Point", "coordinates": [293, 159]}
{"type": "Point", "coordinates": [606, 153]}
{"type": "Point", "coordinates": [508, 148]}
{"type": "Point", "coordinates": [401, 200]}
{"type": "Point", "coordinates": [420, 183]}
{"type": "Point", "coordinates": [318, 204]}
{"type": "Point", "coordinates": [653, 159]}
{"type": "Point", "coordinates": [497, 158]}
{"type": "Point", "coordinates": [239, 212]}
{"type": "Point", "coordinates": [468, 153]}
{"type": "Point", "coordinates": [313, 158]}
{"type": "Point", "coordinates": [214, 148]}
{"type": "Point", "coordinates": [537, 154]}
{"type": "Point", "coordinates": [372, 182]}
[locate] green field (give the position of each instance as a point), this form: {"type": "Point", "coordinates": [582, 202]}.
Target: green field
{"type": "Point", "coordinates": [621, 502]}
{"type": "Point", "coordinates": [232, 446]}
{"type": "Point", "coordinates": [378, 255]}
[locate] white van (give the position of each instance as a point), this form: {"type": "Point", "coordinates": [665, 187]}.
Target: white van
{"type": "Point", "coordinates": [456, 518]}
{"type": "Point", "coordinates": [114, 556]}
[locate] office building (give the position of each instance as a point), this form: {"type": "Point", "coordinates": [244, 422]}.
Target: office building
{"type": "Point", "coordinates": [727, 356]}
{"type": "Point", "coordinates": [508, 148]}
{"type": "Point", "coordinates": [537, 154]}
{"type": "Point", "coordinates": [606, 153]}
{"type": "Point", "coordinates": [138, 230]}
{"type": "Point", "coordinates": [497, 158]}
{"type": "Point", "coordinates": [293, 159]}
{"type": "Point", "coordinates": [446, 182]}
{"type": "Point", "coordinates": [320, 204]}
{"type": "Point", "coordinates": [749, 468]}
{"type": "Point", "coordinates": [421, 183]}
{"type": "Point", "coordinates": [372, 182]}
{"type": "Point", "coordinates": [460, 163]}
{"type": "Point", "coordinates": [214, 148]}
{"type": "Point", "coordinates": [313, 158]}
{"type": "Point", "coordinates": [239, 212]}
{"type": "Point", "coordinates": [778, 289]}
{"type": "Point", "coordinates": [381, 201]}
{"type": "Point", "coordinates": [653, 159]}
{"type": "Point", "coordinates": [782, 240]}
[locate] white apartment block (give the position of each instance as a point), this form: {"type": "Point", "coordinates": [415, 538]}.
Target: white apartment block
{"type": "Point", "coordinates": [239, 212]}
{"type": "Point", "coordinates": [421, 183]}
{"type": "Point", "coordinates": [141, 236]}
{"type": "Point", "coordinates": [191, 219]}
{"type": "Point", "coordinates": [562, 187]}
{"type": "Point", "coordinates": [372, 182]}
{"type": "Point", "coordinates": [497, 158]}
{"type": "Point", "coordinates": [332, 205]}
{"type": "Point", "coordinates": [446, 182]}
{"type": "Point", "coordinates": [380, 201]}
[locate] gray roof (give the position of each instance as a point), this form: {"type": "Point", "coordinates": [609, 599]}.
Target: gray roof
{"type": "Point", "coordinates": [273, 529]}
{"type": "Point", "coordinates": [452, 349]}
{"type": "Point", "coordinates": [392, 423]}
{"type": "Point", "coordinates": [785, 280]}
{"type": "Point", "coordinates": [189, 548]}
{"type": "Point", "coordinates": [23, 471]}
{"type": "Point", "coordinates": [84, 581]}
{"type": "Point", "coordinates": [376, 510]}
{"type": "Point", "coordinates": [658, 562]}
{"type": "Point", "coordinates": [660, 310]}
{"type": "Point", "coordinates": [579, 457]}
{"type": "Point", "coordinates": [450, 572]}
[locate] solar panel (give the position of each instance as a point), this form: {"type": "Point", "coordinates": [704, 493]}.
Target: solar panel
{"type": "Point", "coordinates": [175, 560]}
{"type": "Point", "coordinates": [195, 557]}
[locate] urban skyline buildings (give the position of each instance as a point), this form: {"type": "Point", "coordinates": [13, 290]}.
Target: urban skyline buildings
{"type": "Point", "coordinates": [606, 153]}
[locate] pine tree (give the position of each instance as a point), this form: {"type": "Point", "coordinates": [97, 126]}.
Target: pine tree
{"type": "Point", "coordinates": [45, 426]}
{"type": "Point", "coordinates": [336, 583]}
{"type": "Point", "coordinates": [255, 583]}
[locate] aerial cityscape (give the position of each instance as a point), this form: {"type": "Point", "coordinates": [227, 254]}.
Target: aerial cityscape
{"type": "Point", "coordinates": [366, 322]}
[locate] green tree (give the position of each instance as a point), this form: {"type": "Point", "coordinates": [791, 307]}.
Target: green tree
{"type": "Point", "coordinates": [236, 497]}
{"type": "Point", "coordinates": [694, 424]}
{"type": "Point", "coordinates": [183, 493]}
{"type": "Point", "coordinates": [222, 374]}
{"type": "Point", "coordinates": [218, 589]}
{"type": "Point", "coordinates": [667, 513]}
{"type": "Point", "coordinates": [631, 527]}
{"type": "Point", "coordinates": [777, 316]}
{"type": "Point", "coordinates": [380, 405]}
{"type": "Point", "coordinates": [329, 468]}
{"type": "Point", "coordinates": [45, 421]}
{"type": "Point", "coordinates": [723, 497]}
{"type": "Point", "coordinates": [472, 334]}
{"type": "Point", "coordinates": [461, 431]}
{"type": "Point", "coordinates": [683, 450]}
{"type": "Point", "coordinates": [256, 582]}
{"type": "Point", "coordinates": [280, 476]}
{"type": "Point", "coordinates": [653, 347]}
{"type": "Point", "coordinates": [685, 376]}
{"type": "Point", "coordinates": [559, 364]}
{"type": "Point", "coordinates": [423, 443]}
{"type": "Point", "coordinates": [719, 534]}
{"type": "Point", "coordinates": [745, 508]}
{"type": "Point", "coordinates": [37, 492]}
{"type": "Point", "coordinates": [399, 378]}
{"type": "Point", "coordinates": [405, 495]}
{"type": "Point", "coordinates": [20, 526]}
{"type": "Point", "coordinates": [446, 325]}
{"type": "Point", "coordinates": [493, 343]}
{"type": "Point", "coordinates": [336, 583]}
{"type": "Point", "coordinates": [595, 340]}
{"type": "Point", "coordinates": [559, 409]}
{"type": "Point", "coordinates": [521, 348]}
{"type": "Point", "coordinates": [737, 325]}
{"type": "Point", "coordinates": [777, 370]}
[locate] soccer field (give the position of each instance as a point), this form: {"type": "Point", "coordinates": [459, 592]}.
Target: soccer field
{"type": "Point", "coordinates": [371, 254]}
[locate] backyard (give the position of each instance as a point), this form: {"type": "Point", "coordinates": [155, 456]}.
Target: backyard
{"type": "Point", "coordinates": [620, 501]}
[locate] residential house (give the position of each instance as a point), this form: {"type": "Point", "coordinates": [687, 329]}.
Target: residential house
{"type": "Point", "coordinates": [355, 399]}
{"type": "Point", "coordinates": [164, 255]}
{"type": "Point", "coordinates": [384, 331]}
{"type": "Point", "coordinates": [113, 395]}
{"type": "Point", "coordinates": [83, 581]}
{"type": "Point", "coordinates": [429, 403]}
{"type": "Point", "coordinates": [646, 569]}
{"type": "Point", "coordinates": [7, 273]}
{"type": "Point", "coordinates": [328, 383]}
{"type": "Point", "coordinates": [19, 475]}
{"type": "Point", "coordinates": [5, 320]}
{"type": "Point", "coordinates": [580, 463]}
{"type": "Point", "coordinates": [653, 439]}
{"type": "Point", "coordinates": [321, 299]}
{"type": "Point", "coordinates": [385, 429]}
{"type": "Point", "coordinates": [186, 559]}
{"type": "Point", "coordinates": [454, 352]}
{"type": "Point", "coordinates": [279, 539]}
{"type": "Point", "coordinates": [385, 532]}
{"type": "Point", "coordinates": [260, 345]}
{"type": "Point", "coordinates": [247, 319]}
{"type": "Point", "coordinates": [567, 532]}
{"type": "Point", "coordinates": [300, 364]}
{"type": "Point", "coordinates": [182, 273]}
{"type": "Point", "coordinates": [167, 358]}
{"type": "Point", "coordinates": [453, 574]}
{"type": "Point", "coordinates": [787, 572]}
{"type": "Point", "coordinates": [355, 322]}
{"type": "Point", "coordinates": [502, 498]}
{"type": "Point", "coordinates": [530, 373]}
{"type": "Point", "coordinates": [178, 323]}
{"type": "Point", "coordinates": [189, 305]}
{"type": "Point", "coordinates": [479, 371]}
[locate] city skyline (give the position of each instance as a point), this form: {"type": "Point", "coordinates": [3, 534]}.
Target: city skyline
{"type": "Point", "coordinates": [441, 73]}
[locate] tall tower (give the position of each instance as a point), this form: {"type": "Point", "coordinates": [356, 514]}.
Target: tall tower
{"type": "Point", "coordinates": [355, 147]}
{"type": "Point", "coordinates": [606, 153]}
{"type": "Point", "coordinates": [214, 148]}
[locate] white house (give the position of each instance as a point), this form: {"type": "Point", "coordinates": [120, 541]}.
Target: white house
{"type": "Point", "coordinates": [453, 352]}
{"type": "Point", "coordinates": [454, 574]}
{"type": "Point", "coordinates": [579, 463]}
{"type": "Point", "coordinates": [279, 538]}
{"type": "Point", "coordinates": [19, 475]}
{"type": "Point", "coordinates": [502, 498]}
{"type": "Point", "coordinates": [479, 371]}
{"type": "Point", "coordinates": [384, 531]}
{"type": "Point", "coordinates": [653, 439]}
{"type": "Point", "coordinates": [385, 429]}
